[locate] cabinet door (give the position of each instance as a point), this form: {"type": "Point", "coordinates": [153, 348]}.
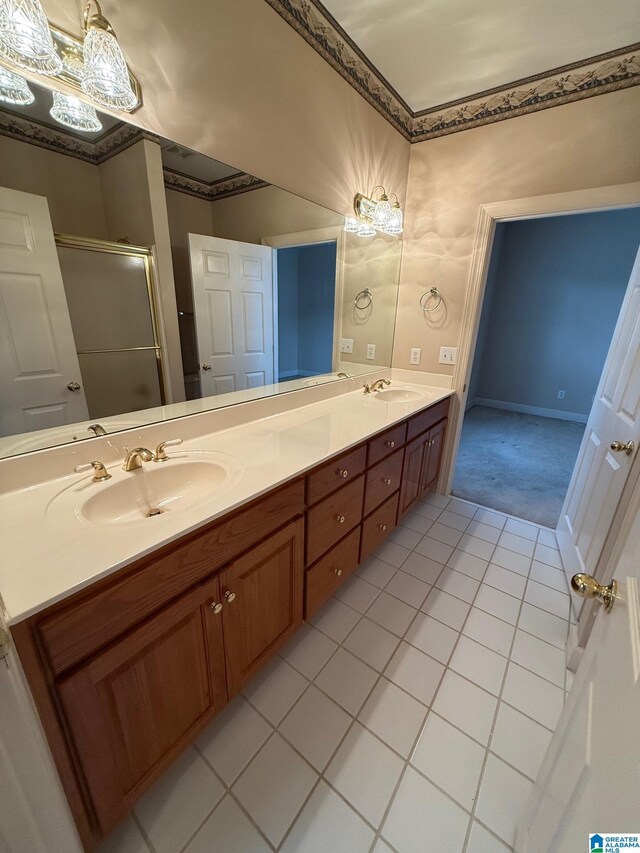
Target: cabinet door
{"type": "Point", "coordinates": [432, 456]}
{"type": "Point", "coordinates": [133, 707]}
{"type": "Point", "coordinates": [262, 596]}
{"type": "Point", "coordinates": [410, 488]}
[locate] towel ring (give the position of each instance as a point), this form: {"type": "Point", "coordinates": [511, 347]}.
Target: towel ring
{"type": "Point", "coordinates": [364, 294]}
{"type": "Point", "coordinates": [434, 293]}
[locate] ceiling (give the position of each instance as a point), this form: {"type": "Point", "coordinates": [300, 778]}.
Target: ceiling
{"type": "Point", "coordinates": [436, 51]}
{"type": "Point", "coordinates": [192, 163]}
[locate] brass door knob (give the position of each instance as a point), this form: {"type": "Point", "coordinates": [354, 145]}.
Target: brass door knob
{"type": "Point", "coordinates": [216, 606]}
{"type": "Point", "coordinates": [621, 447]}
{"type": "Point", "coordinates": [73, 386]}
{"type": "Point", "coordinates": [588, 587]}
{"type": "Point", "coordinates": [206, 367]}
{"type": "Point", "coordinates": [230, 596]}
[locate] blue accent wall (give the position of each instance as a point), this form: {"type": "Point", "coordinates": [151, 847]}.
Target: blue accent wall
{"type": "Point", "coordinates": [306, 297]}
{"type": "Point", "coordinates": [554, 291]}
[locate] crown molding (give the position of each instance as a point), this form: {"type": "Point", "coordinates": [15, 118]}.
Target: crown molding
{"type": "Point", "coordinates": [596, 75]}
{"type": "Point", "coordinates": [235, 184]}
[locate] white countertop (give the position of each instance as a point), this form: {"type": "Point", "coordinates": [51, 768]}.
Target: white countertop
{"type": "Point", "coordinates": [48, 552]}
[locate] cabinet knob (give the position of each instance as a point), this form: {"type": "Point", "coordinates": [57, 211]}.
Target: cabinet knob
{"type": "Point", "coordinates": [340, 519]}
{"type": "Point", "coordinates": [337, 572]}
{"type": "Point", "coordinates": [390, 443]}
{"type": "Point", "coordinates": [386, 481]}
{"type": "Point", "coordinates": [382, 526]}
{"type": "Point", "coordinates": [343, 473]}
{"type": "Point", "coordinates": [230, 596]}
{"type": "Point", "coordinates": [216, 606]}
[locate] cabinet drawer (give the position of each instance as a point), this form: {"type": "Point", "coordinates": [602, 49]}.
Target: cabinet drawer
{"type": "Point", "coordinates": [330, 571]}
{"type": "Point", "coordinates": [382, 480]}
{"type": "Point", "coordinates": [331, 519]}
{"type": "Point", "coordinates": [386, 443]}
{"type": "Point", "coordinates": [92, 619]}
{"type": "Point", "coordinates": [425, 420]}
{"type": "Point", "coordinates": [336, 473]}
{"type": "Point", "coordinates": [377, 527]}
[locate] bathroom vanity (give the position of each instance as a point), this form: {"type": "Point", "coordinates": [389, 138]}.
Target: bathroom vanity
{"type": "Point", "coordinates": [127, 666]}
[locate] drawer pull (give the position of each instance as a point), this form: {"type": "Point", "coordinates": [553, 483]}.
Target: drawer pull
{"type": "Point", "coordinates": [230, 596]}
{"type": "Point", "coordinates": [216, 606]}
{"type": "Point", "coordinates": [382, 526]}
{"type": "Point", "coordinates": [390, 443]}
{"type": "Point", "coordinates": [337, 572]}
{"type": "Point", "coordinates": [340, 519]}
{"type": "Point", "coordinates": [386, 481]}
{"type": "Point", "coordinates": [343, 473]}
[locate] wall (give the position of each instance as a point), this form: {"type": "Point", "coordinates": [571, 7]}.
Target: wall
{"type": "Point", "coordinates": [586, 144]}
{"type": "Point", "coordinates": [553, 296]}
{"type": "Point", "coordinates": [235, 81]}
{"type": "Point", "coordinates": [72, 187]}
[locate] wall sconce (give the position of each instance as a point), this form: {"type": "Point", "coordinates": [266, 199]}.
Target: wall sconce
{"type": "Point", "coordinates": [14, 89]}
{"type": "Point", "coordinates": [94, 66]}
{"type": "Point", "coordinates": [375, 213]}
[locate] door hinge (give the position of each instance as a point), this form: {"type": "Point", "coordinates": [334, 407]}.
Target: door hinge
{"type": "Point", "coordinates": [5, 643]}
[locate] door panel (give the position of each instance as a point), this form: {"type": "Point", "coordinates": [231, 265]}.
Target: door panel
{"type": "Point", "coordinates": [233, 303]}
{"type": "Point", "coordinates": [433, 456]}
{"type": "Point", "coordinates": [37, 350]}
{"type": "Point", "coordinates": [267, 607]}
{"type": "Point", "coordinates": [410, 489]}
{"type": "Point", "coordinates": [133, 707]}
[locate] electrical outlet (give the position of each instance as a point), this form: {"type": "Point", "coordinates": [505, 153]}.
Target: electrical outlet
{"type": "Point", "coordinates": [448, 355]}
{"type": "Point", "coordinates": [416, 354]}
{"type": "Point", "coordinates": [561, 395]}
{"type": "Point", "coordinates": [346, 345]}
{"type": "Point", "coordinates": [371, 350]}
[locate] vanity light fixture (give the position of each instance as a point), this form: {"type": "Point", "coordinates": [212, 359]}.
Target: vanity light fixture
{"type": "Point", "coordinates": [74, 113]}
{"type": "Point", "coordinates": [105, 73]}
{"type": "Point", "coordinates": [351, 225]}
{"type": "Point", "coordinates": [376, 213]}
{"type": "Point", "coordinates": [14, 89]}
{"type": "Point", "coordinates": [25, 38]}
{"type": "Point", "coordinates": [366, 230]}
{"type": "Point", "coordinates": [395, 224]}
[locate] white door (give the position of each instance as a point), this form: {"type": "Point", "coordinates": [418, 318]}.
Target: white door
{"type": "Point", "coordinates": [233, 305]}
{"type": "Point", "coordinates": [39, 368]}
{"type": "Point", "coordinates": [600, 473]}
{"type": "Point", "coordinates": [589, 781]}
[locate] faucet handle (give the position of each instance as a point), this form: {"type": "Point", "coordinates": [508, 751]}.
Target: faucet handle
{"type": "Point", "coordinates": [100, 473]}
{"type": "Point", "coordinates": [160, 454]}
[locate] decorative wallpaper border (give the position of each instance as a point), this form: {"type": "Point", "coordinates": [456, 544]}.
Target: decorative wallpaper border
{"type": "Point", "coordinates": [597, 75]}
{"type": "Point", "coordinates": [113, 142]}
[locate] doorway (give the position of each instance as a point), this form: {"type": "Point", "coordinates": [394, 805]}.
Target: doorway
{"type": "Point", "coordinates": [554, 290]}
{"type": "Point", "coordinates": [305, 307]}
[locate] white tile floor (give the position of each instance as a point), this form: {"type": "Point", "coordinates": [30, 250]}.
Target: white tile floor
{"type": "Point", "coordinates": [417, 705]}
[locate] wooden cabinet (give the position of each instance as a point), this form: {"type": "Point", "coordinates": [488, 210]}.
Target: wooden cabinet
{"type": "Point", "coordinates": [422, 460]}
{"type": "Point", "coordinates": [132, 708]}
{"type": "Point", "coordinates": [325, 576]}
{"type": "Point", "coordinates": [262, 603]}
{"type": "Point", "coordinates": [335, 474]}
{"type": "Point", "coordinates": [432, 456]}
{"type": "Point", "coordinates": [383, 480]}
{"type": "Point", "coordinates": [333, 518]}
{"type": "Point", "coordinates": [378, 526]}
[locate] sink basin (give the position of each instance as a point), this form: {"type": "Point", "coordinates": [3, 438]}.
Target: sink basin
{"type": "Point", "coordinates": [150, 491]}
{"type": "Point", "coordinates": [398, 395]}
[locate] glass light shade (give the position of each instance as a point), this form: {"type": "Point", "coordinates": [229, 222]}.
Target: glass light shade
{"type": "Point", "coordinates": [106, 76]}
{"type": "Point", "coordinates": [395, 222]}
{"type": "Point", "coordinates": [14, 89]}
{"type": "Point", "coordinates": [366, 230]}
{"type": "Point", "coordinates": [25, 39]}
{"type": "Point", "coordinates": [382, 213]}
{"type": "Point", "coordinates": [73, 113]}
{"type": "Point", "coordinates": [351, 225]}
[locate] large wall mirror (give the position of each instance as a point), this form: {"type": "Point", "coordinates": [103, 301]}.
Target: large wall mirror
{"type": "Point", "coordinates": [142, 281]}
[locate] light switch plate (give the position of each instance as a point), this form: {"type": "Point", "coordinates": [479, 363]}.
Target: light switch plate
{"type": "Point", "coordinates": [416, 354]}
{"type": "Point", "coordinates": [448, 355]}
{"type": "Point", "coordinates": [371, 350]}
{"type": "Point", "coordinates": [346, 345]}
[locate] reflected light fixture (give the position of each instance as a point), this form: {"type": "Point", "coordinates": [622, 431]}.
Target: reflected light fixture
{"type": "Point", "coordinates": [351, 225]}
{"type": "Point", "coordinates": [14, 89]}
{"type": "Point", "coordinates": [74, 113]}
{"type": "Point", "coordinates": [105, 73]}
{"type": "Point", "coordinates": [366, 230]}
{"type": "Point", "coordinates": [25, 38]}
{"type": "Point", "coordinates": [375, 213]}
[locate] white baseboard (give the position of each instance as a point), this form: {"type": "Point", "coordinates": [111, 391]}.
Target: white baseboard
{"type": "Point", "coordinates": [529, 410]}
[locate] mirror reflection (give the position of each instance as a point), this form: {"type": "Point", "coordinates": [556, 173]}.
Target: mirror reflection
{"type": "Point", "coordinates": [141, 281]}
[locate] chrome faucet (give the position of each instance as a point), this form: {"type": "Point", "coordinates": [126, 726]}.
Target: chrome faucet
{"type": "Point", "coordinates": [97, 429]}
{"type": "Point", "coordinates": [134, 458]}
{"type": "Point", "coordinates": [376, 386]}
